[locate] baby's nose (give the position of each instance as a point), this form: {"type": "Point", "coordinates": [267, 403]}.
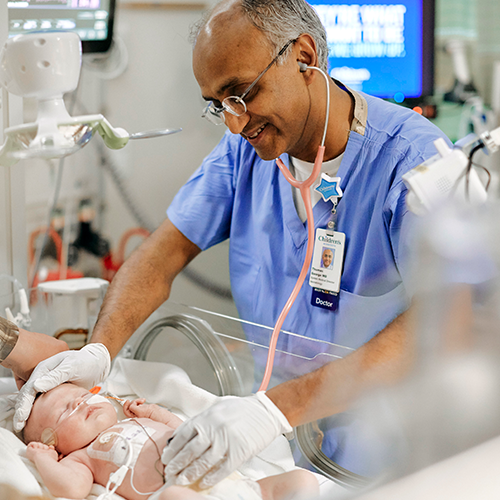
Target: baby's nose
{"type": "Point", "coordinates": [80, 400]}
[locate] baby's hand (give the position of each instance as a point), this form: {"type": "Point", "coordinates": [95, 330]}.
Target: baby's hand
{"type": "Point", "coordinates": [36, 449]}
{"type": "Point", "coordinates": [138, 409]}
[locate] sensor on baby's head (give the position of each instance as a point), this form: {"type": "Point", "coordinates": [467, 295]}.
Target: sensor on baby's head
{"type": "Point", "coordinates": [49, 437]}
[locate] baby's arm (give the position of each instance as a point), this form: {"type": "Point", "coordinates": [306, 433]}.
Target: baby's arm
{"type": "Point", "coordinates": [139, 409]}
{"type": "Point", "coordinates": [63, 478]}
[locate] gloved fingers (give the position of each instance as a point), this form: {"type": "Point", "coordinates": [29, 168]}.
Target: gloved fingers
{"type": "Point", "coordinates": [184, 433]}
{"type": "Point", "coordinates": [214, 457]}
{"type": "Point", "coordinates": [99, 356]}
{"type": "Point", "coordinates": [52, 379]}
{"type": "Point", "coordinates": [217, 474]}
{"type": "Point", "coordinates": [24, 404]}
{"type": "Point", "coordinates": [190, 453]}
{"type": "Point", "coordinates": [28, 392]}
{"type": "Point", "coordinates": [185, 448]}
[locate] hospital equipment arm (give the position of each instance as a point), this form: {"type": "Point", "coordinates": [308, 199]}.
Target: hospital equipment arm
{"type": "Point", "coordinates": [141, 285]}
{"type": "Point", "coordinates": [30, 349]}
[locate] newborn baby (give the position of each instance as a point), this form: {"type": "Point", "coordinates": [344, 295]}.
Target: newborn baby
{"type": "Point", "coordinates": [75, 440]}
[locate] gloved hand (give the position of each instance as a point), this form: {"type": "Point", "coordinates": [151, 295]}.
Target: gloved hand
{"type": "Point", "coordinates": [222, 438]}
{"type": "Point", "coordinates": [86, 367]}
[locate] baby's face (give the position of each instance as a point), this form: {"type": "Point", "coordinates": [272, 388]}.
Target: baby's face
{"type": "Point", "coordinates": [74, 429]}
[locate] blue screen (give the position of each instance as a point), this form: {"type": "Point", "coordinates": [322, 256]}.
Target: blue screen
{"type": "Point", "coordinates": [375, 47]}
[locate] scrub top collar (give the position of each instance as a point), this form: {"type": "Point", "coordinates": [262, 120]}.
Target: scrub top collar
{"type": "Point", "coordinates": [360, 118]}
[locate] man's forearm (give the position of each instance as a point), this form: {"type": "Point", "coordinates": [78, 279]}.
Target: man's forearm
{"type": "Point", "coordinates": [142, 284]}
{"type": "Point", "coordinates": [334, 387]}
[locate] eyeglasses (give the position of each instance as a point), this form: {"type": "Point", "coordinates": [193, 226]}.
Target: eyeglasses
{"type": "Point", "coordinates": [236, 104]}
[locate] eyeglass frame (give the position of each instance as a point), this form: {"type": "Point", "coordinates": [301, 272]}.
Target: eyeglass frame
{"type": "Point", "coordinates": [212, 111]}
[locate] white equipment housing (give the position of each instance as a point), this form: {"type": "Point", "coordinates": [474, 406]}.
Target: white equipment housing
{"type": "Point", "coordinates": [442, 178]}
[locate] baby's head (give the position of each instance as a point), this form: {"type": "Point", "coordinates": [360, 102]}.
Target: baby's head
{"type": "Point", "coordinates": [74, 418]}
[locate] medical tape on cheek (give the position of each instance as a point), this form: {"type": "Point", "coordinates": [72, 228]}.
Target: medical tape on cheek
{"type": "Point", "coordinates": [87, 399]}
{"type": "Point", "coordinates": [130, 440]}
{"type": "Point", "coordinates": [95, 399]}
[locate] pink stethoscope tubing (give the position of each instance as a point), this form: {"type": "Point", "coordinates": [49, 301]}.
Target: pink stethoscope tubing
{"type": "Point", "coordinates": [304, 188]}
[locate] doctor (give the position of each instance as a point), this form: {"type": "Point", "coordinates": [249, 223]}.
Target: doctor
{"type": "Point", "coordinates": [252, 60]}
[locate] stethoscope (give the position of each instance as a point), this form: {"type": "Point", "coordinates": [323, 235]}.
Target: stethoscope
{"type": "Point", "coordinates": [304, 188]}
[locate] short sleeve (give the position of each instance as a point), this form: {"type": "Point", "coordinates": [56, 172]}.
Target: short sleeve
{"type": "Point", "coordinates": [9, 333]}
{"type": "Point", "coordinates": [202, 208]}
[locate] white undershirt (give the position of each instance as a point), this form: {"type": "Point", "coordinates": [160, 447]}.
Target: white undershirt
{"type": "Point", "coordinates": [301, 170]}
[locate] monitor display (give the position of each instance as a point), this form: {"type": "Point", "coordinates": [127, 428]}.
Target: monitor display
{"type": "Point", "coordinates": [385, 49]}
{"type": "Point", "coordinates": [92, 20]}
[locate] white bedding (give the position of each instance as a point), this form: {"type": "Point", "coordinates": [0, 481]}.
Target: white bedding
{"type": "Point", "coordinates": [160, 383]}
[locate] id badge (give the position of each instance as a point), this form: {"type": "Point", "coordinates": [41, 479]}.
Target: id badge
{"type": "Point", "coordinates": [326, 269]}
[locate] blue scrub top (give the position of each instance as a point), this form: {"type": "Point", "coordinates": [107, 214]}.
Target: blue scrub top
{"type": "Point", "coordinates": [236, 195]}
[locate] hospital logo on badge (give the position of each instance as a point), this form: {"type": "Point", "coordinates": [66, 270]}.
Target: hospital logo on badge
{"type": "Point", "coordinates": [329, 188]}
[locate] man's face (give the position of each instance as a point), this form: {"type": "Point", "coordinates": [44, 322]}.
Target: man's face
{"type": "Point", "coordinates": [327, 258]}
{"type": "Point", "coordinates": [74, 429]}
{"type": "Point", "coordinates": [228, 56]}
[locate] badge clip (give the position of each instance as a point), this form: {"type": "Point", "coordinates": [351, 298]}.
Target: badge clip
{"type": "Point", "coordinates": [329, 188]}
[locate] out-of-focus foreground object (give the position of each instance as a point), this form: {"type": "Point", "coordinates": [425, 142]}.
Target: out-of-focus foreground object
{"type": "Point", "coordinates": [451, 174]}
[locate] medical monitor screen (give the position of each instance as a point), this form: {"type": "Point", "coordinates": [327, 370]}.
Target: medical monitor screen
{"type": "Point", "coordinates": [92, 20]}
{"type": "Point", "coordinates": [384, 48]}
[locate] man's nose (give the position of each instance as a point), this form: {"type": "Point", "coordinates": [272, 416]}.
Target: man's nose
{"type": "Point", "coordinates": [236, 124]}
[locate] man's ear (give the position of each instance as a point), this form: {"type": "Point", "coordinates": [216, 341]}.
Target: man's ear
{"type": "Point", "coordinates": [307, 51]}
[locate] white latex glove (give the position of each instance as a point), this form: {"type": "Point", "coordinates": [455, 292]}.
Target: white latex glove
{"type": "Point", "coordinates": [86, 367]}
{"type": "Point", "coordinates": [222, 438]}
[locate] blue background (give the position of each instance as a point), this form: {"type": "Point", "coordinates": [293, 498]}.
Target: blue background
{"type": "Point", "coordinates": [389, 76]}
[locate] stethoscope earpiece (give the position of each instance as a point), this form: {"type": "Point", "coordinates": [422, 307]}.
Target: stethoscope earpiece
{"type": "Point", "coordinates": [302, 66]}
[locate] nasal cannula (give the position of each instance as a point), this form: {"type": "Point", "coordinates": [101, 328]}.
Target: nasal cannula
{"type": "Point", "coordinates": [304, 188]}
